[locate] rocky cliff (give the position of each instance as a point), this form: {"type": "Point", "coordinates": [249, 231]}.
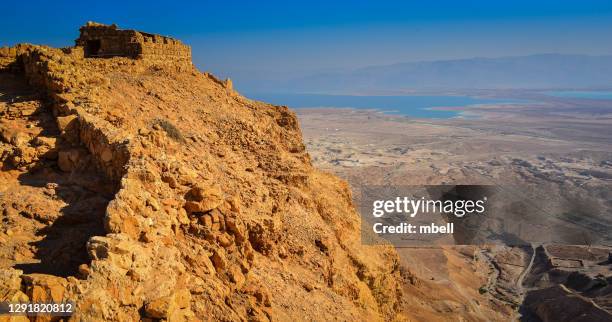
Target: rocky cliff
{"type": "Point", "coordinates": [144, 191]}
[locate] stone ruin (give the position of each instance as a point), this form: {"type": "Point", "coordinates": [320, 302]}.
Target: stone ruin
{"type": "Point", "coordinates": [99, 40]}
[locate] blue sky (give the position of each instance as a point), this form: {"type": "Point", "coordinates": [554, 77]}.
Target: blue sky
{"type": "Point", "coordinates": [280, 37]}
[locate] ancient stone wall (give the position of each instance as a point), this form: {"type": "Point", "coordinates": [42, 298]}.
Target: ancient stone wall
{"type": "Point", "coordinates": [108, 41]}
{"type": "Point", "coordinates": [8, 57]}
{"type": "Point", "coordinates": [100, 40]}
{"type": "Point", "coordinates": [42, 69]}
{"type": "Point", "coordinates": [159, 48]}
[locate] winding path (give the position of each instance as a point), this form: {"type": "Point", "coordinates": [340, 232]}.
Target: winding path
{"type": "Point", "coordinates": [519, 281]}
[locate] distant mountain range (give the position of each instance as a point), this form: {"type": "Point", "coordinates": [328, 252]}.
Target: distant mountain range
{"type": "Point", "coordinates": [542, 71]}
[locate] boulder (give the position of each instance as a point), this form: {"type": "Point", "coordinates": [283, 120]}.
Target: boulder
{"type": "Point", "coordinates": [68, 160]}
{"type": "Point", "coordinates": [203, 199]}
{"type": "Point", "coordinates": [168, 306]}
{"type": "Point", "coordinates": [45, 288]}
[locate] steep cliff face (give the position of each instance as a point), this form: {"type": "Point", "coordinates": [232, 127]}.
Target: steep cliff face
{"type": "Point", "coordinates": [140, 190]}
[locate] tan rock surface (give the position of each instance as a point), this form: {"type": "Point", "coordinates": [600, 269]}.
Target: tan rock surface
{"type": "Point", "coordinates": [163, 193]}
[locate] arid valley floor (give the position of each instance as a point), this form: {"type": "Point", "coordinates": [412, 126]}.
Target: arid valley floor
{"type": "Point", "coordinates": [562, 144]}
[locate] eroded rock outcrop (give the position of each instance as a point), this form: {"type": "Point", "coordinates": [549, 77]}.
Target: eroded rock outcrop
{"type": "Point", "coordinates": [558, 303]}
{"type": "Point", "coordinates": [191, 201]}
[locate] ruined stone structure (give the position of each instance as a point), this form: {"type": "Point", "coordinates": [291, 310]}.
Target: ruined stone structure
{"type": "Point", "coordinates": [99, 40]}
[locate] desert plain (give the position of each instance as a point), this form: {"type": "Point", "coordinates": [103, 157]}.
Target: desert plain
{"type": "Point", "coordinates": [555, 153]}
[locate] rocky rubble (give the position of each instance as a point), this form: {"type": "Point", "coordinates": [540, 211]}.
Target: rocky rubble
{"type": "Point", "coordinates": [144, 192]}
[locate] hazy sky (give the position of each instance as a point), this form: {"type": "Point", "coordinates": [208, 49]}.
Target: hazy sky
{"type": "Point", "coordinates": [287, 36]}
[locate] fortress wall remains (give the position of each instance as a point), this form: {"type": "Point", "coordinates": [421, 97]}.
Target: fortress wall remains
{"type": "Point", "coordinates": [101, 41]}
{"type": "Point", "coordinates": [159, 49]}
{"type": "Point", "coordinates": [8, 57]}
{"type": "Point", "coordinates": [105, 41]}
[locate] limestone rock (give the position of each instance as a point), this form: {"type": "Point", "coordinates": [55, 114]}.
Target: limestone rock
{"type": "Point", "coordinates": [219, 261]}
{"type": "Point", "coordinates": [65, 122]}
{"type": "Point", "coordinates": [10, 279]}
{"type": "Point", "coordinates": [161, 228]}
{"type": "Point", "coordinates": [43, 288]}
{"type": "Point", "coordinates": [168, 306]}
{"type": "Point", "coordinates": [68, 160]}
{"type": "Point", "coordinates": [203, 199]}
